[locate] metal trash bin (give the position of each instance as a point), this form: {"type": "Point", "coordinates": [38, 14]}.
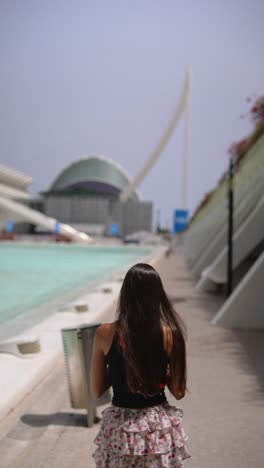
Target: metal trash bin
{"type": "Point", "coordinates": [78, 345]}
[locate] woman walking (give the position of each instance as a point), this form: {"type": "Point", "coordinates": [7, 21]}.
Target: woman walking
{"type": "Point", "coordinates": [140, 354]}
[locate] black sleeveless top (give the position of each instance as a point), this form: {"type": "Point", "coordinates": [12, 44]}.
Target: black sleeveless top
{"type": "Point", "coordinates": [121, 396]}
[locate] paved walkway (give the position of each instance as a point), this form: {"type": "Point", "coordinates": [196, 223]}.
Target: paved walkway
{"type": "Point", "coordinates": [224, 412]}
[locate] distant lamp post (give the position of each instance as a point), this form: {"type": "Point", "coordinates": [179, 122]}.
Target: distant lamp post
{"type": "Point", "coordinates": [230, 196]}
{"type": "Point", "coordinates": [158, 222]}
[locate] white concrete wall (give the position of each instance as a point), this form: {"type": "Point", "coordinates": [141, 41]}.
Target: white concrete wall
{"type": "Point", "coordinates": [246, 238]}
{"type": "Point", "coordinates": [248, 180]}
{"type": "Point", "coordinates": [218, 242]}
{"type": "Point", "coordinates": [245, 307]}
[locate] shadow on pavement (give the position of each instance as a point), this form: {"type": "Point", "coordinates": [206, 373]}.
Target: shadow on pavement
{"type": "Point", "coordinates": [251, 354]}
{"type": "Point", "coordinates": [56, 419]}
{"type": "Point", "coordinates": [252, 342]}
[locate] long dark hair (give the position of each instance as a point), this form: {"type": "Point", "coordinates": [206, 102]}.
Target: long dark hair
{"type": "Point", "coordinates": [142, 310]}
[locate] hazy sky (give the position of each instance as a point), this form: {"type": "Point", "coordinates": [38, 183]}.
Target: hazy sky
{"type": "Point", "coordinates": [104, 77]}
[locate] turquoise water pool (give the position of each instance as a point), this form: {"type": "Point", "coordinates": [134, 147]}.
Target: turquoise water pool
{"type": "Point", "coordinates": [31, 275]}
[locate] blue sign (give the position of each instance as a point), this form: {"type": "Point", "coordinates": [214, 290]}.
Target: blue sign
{"type": "Point", "coordinates": [9, 225]}
{"type": "Point", "coordinates": [57, 227]}
{"type": "Point", "coordinates": [180, 221]}
{"type": "Point", "coordinates": [113, 229]}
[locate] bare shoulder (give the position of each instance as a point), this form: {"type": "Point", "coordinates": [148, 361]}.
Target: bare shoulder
{"type": "Point", "coordinates": [104, 335]}
{"type": "Point", "coordinates": [105, 328]}
{"type": "Point", "coordinates": [167, 338]}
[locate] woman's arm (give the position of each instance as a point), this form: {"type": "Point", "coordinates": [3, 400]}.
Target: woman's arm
{"type": "Point", "coordinates": [172, 386]}
{"type": "Point", "coordinates": [170, 382]}
{"type": "Point", "coordinates": [99, 374]}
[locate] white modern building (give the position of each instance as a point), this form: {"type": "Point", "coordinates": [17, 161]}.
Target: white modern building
{"type": "Point", "coordinates": [83, 199]}
{"type": "Point", "coordinates": [86, 194]}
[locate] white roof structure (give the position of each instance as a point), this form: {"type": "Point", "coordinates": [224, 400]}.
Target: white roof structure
{"type": "Point", "coordinates": [10, 192]}
{"type": "Point", "coordinates": [13, 184]}
{"type": "Point", "coordinates": [14, 179]}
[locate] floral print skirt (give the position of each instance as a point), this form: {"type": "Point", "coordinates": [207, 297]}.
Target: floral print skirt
{"type": "Point", "coordinates": [149, 437]}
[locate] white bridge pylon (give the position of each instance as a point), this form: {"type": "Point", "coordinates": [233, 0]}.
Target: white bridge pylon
{"type": "Point", "coordinates": [182, 106]}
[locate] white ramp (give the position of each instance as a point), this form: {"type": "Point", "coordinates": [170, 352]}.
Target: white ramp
{"type": "Point", "coordinates": [24, 213]}
{"type": "Point", "coordinates": [244, 308]}
{"type": "Point", "coordinates": [248, 236]}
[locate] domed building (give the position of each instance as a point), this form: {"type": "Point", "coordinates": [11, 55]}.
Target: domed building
{"type": "Point", "coordinates": [96, 175]}
{"type": "Point", "coordinates": [86, 193]}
